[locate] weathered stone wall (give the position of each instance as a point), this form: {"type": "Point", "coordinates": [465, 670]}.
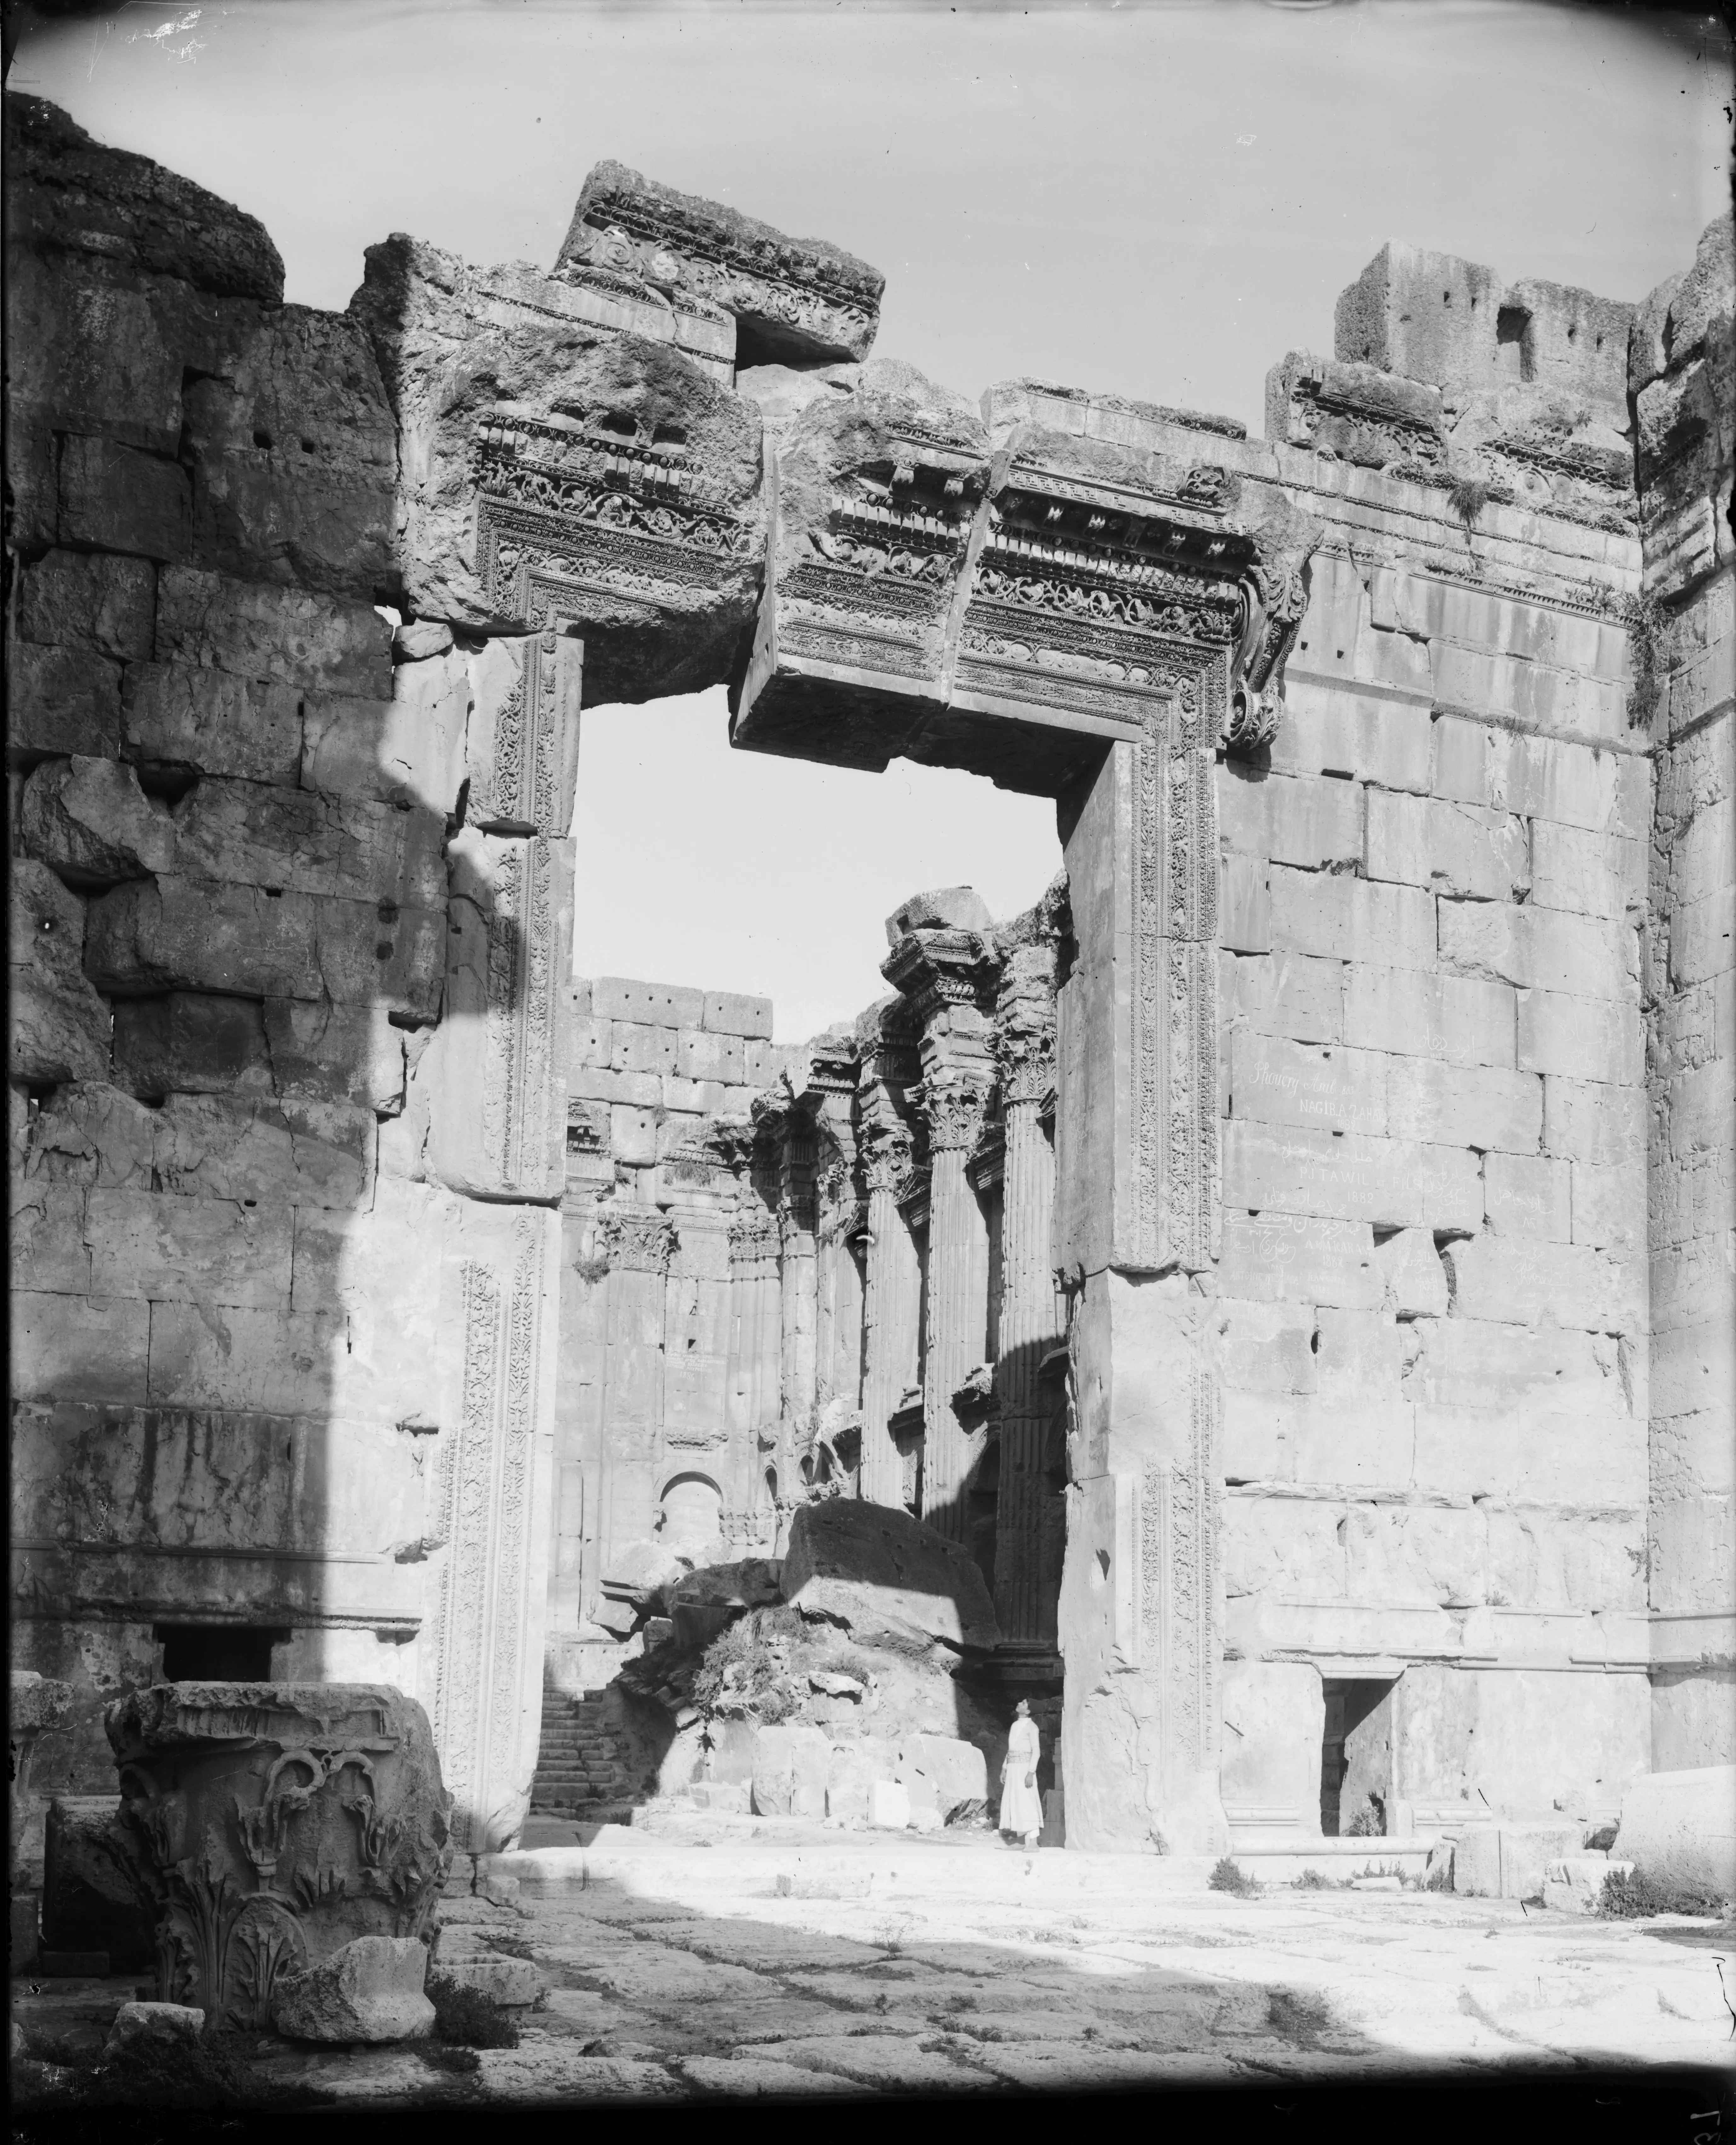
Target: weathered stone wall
{"type": "Point", "coordinates": [286, 1126]}
{"type": "Point", "coordinates": [1431, 1318]}
{"type": "Point", "coordinates": [1682, 375]}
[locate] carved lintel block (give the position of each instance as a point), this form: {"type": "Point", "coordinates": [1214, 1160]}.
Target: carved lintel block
{"type": "Point", "coordinates": [522, 754]}
{"type": "Point", "coordinates": [481, 1653]}
{"type": "Point", "coordinates": [270, 1824]}
{"type": "Point", "coordinates": [584, 468]}
{"type": "Point", "coordinates": [793, 300]}
{"type": "Point", "coordinates": [1356, 413]}
{"type": "Point", "coordinates": [1010, 618]}
{"type": "Point", "coordinates": [497, 1087]}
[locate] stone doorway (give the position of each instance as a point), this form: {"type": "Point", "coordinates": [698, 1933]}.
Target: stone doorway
{"type": "Point", "coordinates": [1356, 1756]}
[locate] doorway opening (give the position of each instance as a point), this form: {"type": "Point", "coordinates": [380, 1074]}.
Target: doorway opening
{"type": "Point", "coordinates": [217, 1653]}
{"type": "Point", "coordinates": [1356, 1753]}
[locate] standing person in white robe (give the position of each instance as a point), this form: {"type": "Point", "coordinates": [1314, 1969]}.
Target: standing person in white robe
{"type": "Point", "coordinates": [1021, 1806]}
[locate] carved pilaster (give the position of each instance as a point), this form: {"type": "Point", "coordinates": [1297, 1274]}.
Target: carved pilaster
{"type": "Point", "coordinates": [521, 743]}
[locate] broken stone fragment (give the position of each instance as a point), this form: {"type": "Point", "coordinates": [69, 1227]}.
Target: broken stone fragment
{"type": "Point", "coordinates": [465, 1957]}
{"type": "Point", "coordinates": [558, 470]}
{"type": "Point", "coordinates": [1355, 413]}
{"type": "Point", "coordinates": [874, 494]}
{"type": "Point", "coordinates": [946, 908]}
{"type": "Point", "coordinates": [89, 820]}
{"type": "Point", "coordinates": [370, 1990]}
{"type": "Point", "coordinates": [793, 301]}
{"type": "Point", "coordinates": [170, 2025]}
{"type": "Point", "coordinates": [419, 638]}
{"type": "Point", "coordinates": [73, 194]}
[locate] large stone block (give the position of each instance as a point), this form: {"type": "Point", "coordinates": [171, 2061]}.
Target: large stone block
{"type": "Point", "coordinates": [1527, 1195]}
{"type": "Point", "coordinates": [294, 457]}
{"type": "Point", "coordinates": [172, 933]}
{"type": "Point", "coordinates": [356, 849]}
{"type": "Point", "coordinates": [1359, 920]}
{"type": "Point", "coordinates": [1508, 1861]}
{"type": "Point", "coordinates": [1483, 1363]}
{"type": "Point", "coordinates": [166, 1248]}
{"type": "Point", "coordinates": [1266, 1347]}
{"type": "Point", "coordinates": [255, 629]}
{"type": "Point", "coordinates": [1454, 1020]}
{"type": "Point", "coordinates": [861, 571]}
{"type": "Point", "coordinates": [790, 1768]}
{"type": "Point", "coordinates": [61, 700]}
{"type": "Point", "coordinates": [1609, 1207]}
{"type": "Point", "coordinates": [1523, 1453]}
{"type": "Point", "coordinates": [1297, 1258]}
{"type": "Point", "coordinates": [1462, 1106]}
{"type": "Point", "coordinates": [407, 750]}
{"type": "Point", "coordinates": [91, 353]}
{"type": "Point", "coordinates": [1425, 316]}
{"type": "Point", "coordinates": [1523, 1281]}
{"type": "Point", "coordinates": [1451, 849]}
{"type": "Point", "coordinates": [120, 499]}
{"type": "Point", "coordinates": [79, 1348]}
{"type": "Point", "coordinates": [60, 1028]}
{"type": "Point", "coordinates": [340, 1053]}
{"type": "Point", "coordinates": [318, 1808]}
{"type": "Point", "coordinates": [1541, 777]}
{"type": "Point", "coordinates": [1279, 1083]}
{"type": "Point", "coordinates": [1332, 729]}
{"type": "Point", "coordinates": [1592, 874]}
{"type": "Point", "coordinates": [885, 1578]}
{"type": "Point", "coordinates": [1540, 950]}
{"type": "Point", "coordinates": [89, 820]}
{"type": "Point", "coordinates": [798, 301]}
{"type": "Point", "coordinates": [945, 1775]}
{"type": "Point", "coordinates": [565, 471]}
{"type": "Point", "coordinates": [1594, 1043]}
{"type": "Point", "coordinates": [94, 600]}
{"type": "Point", "coordinates": [1291, 994]}
{"type": "Point", "coordinates": [192, 1041]}
{"type": "Point", "coordinates": [1291, 819]}
{"type": "Point", "coordinates": [1593, 1121]}
{"type": "Point", "coordinates": [212, 721]}
{"type": "Point", "coordinates": [1350, 1176]}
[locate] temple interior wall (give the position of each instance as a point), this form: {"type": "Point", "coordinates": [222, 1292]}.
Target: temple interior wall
{"type": "Point", "coordinates": [378, 1292]}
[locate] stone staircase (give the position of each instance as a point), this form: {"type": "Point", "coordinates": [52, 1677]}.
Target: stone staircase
{"type": "Point", "coordinates": [579, 1764]}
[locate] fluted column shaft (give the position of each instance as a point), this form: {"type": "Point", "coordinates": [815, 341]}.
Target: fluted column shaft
{"type": "Point", "coordinates": [1024, 1590]}
{"type": "Point", "coordinates": [958, 1306]}
{"type": "Point", "coordinates": [892, 1302]}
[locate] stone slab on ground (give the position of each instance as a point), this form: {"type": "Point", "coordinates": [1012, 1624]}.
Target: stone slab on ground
{"type": "Point", "coordinates": [753, 2076]}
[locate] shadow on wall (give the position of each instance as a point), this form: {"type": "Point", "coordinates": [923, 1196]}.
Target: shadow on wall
{"type": "Point", "coordinates": [278, 1294]}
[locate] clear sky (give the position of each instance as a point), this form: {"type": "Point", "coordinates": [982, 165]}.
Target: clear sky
{"type": "Point", "coordinates": [1156, 200]}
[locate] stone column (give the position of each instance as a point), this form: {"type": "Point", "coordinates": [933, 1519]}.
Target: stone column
{"type": "Point", "coordinates": [943, 959]}
{"type": "Point", "coordinates": [1024, 1041]}
{"type": "Point", "coordinates": [799, 1363]}
{"type": "Point", "coordinates": [638, 1246]}
{"type": "Point", "coordinates": [891, 1304]}
{"type": "Point", "coordinates": [754, 1378]}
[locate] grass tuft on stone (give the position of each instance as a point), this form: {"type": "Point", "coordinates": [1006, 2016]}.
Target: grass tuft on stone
{"type": "Point", "coordinates": [1633, 1896]}
{"type": "Point", "coordinates": [1226, 1876]}
{"type": "Point", "coordinates": [464, 2018]}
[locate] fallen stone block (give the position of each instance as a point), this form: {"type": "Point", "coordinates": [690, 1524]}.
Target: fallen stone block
{"type": "Point", "coordinates": [885, 1578]}
{"type": "Point", "coordinates": [92, 1898]}
{"type": "Point", "coordinates": [945, 1775]}
{"type": "Point", "coordinates": [1508, 1861]}
{"type": "Point", "coordinates": [370, 1989]}
{"type": "Point", "coordinates": [1679, 1828]}
{"type": "Point", "coordinates": [790, 1766]}
{"type": "Point", "coordinates": [890, 1804]}
{"type": "Point", "coordinates": [1576, 1884]}
{"type": "Point", "coordinates": [169, 2024]}
{"type": "Point", "coordinates": [511, 1983]}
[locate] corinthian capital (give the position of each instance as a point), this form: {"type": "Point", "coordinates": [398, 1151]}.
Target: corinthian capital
{"type": "Point", "coordinates": [955, 1103]}
{"type": "Point", "coordinates": [639, 1243]}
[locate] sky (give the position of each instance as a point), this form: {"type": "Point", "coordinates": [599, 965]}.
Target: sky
{"type": "Point", "coordinates": [1151, 200]}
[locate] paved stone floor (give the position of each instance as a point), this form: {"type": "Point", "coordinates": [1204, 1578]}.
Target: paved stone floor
{"type": "Point", "coordinates": [790, 1960]}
